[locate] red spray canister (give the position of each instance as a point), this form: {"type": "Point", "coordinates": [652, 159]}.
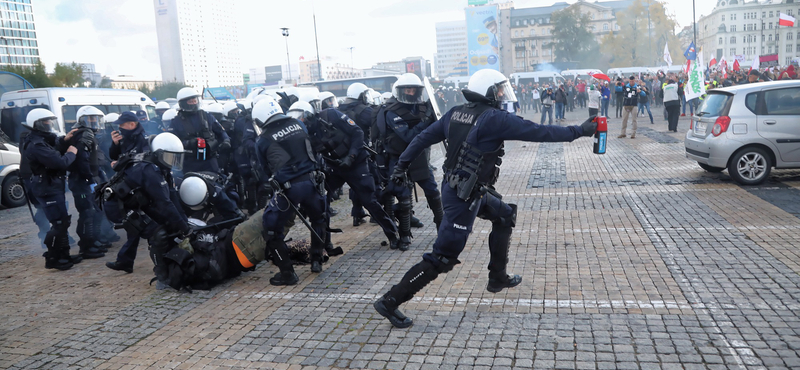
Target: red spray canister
{"type": "Point", "coordinates": [600, 135]}
{"type": "Point", "coordinates": [201, 149]}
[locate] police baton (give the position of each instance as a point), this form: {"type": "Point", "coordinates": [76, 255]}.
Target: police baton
{"type": "Point", "coordinates": [209, 93]}
{"type": "Point", "coordinates": [27, 200]}
{"type": "Point", "coordinates": [279, 190]}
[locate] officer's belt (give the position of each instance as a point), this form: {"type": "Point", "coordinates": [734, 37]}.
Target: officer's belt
{"type": "Point", "coordinates": [304, 177]}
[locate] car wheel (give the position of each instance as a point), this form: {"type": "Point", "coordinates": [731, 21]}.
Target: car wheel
{"type": "Point", "coordinates": [13, 194]}
{"type": "Point", "coordinates": [750, 166]}
{"type": "Point", "coordinates": [711, 168]}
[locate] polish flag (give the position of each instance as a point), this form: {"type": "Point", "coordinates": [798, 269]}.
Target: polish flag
{"type": "Point", "coordinates": [712, 62]}
{"type": "Point", "coordinates": [736, 65]}
{"type": "Point", "coordinates": [786, 20]}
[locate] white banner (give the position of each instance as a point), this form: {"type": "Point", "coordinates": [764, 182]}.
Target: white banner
{"type": "Point", "coordinates": [695, 86]}
{"type": "Point", "coordinates": [740, 58]}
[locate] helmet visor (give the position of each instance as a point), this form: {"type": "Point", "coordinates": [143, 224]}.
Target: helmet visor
{"type": "Point", "coordinates": [93, 122]}
{"type": "Point", "coordinates": [298, 114]}
{"type": "Point", "coordinates": [503, 92]}
{"type": "Point", "coordinates": [410, 94]}
{"type": "Point", "coordinates": [190, 104]}
{"type": "Point", "coordinates": [173, 160]}
{"type": "Point", "coordinates": [48, 124]}
{"type": "Point", "coordinates": [330, 102]}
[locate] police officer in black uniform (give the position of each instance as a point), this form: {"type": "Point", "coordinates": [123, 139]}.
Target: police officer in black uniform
{"type": "Point", "coordinates": [253, 193]}
{"type": "Point", "coordinates": [340, 143]}
{"type": "Point", "coordinates": [144, 185]}
{"type": "Point", "coordinates": [286, 158]}
{"type": "Point", "coordinates": [200, 133]}
{"type": "Point", "coordinates": [83, 177]}
{"type": "Point", "coordinates": [358, 107]}
{"type": "Point", "coordinates": [48, 157]}
{"type": "Point", "coordinates": [398, 122]}
{"type": "Point", "coordinates": [475, 133]}
{"type": "Point", "coordinates": [128, 139]}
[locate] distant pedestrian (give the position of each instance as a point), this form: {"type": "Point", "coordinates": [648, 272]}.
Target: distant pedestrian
{"type": "Point", "coordinates": [629, 104]}
{"type": "Point", "coordinates": [593, 101]}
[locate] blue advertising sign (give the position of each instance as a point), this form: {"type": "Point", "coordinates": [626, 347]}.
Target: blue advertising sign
{"type": "Point", "coordinates": [220, 93]}
{"type": "Point", "coordinates": [482, 43]}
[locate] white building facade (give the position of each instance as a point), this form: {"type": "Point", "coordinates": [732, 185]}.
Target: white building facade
{"type": "Point", "coordinates": [750, 30]}
{"type": "Point", "coordinates": [198, 42]}
{"type": "Point", "coordinates": [451, 49]}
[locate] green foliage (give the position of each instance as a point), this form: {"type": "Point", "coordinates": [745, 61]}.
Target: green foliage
{"type": "Point", "coordinates": [105, 82]}
{"type": "Point", "coordinates": [632, 46]}
{"type": "Point", "coordinates": [36, 74]}
{"type": "Point", "coordinates": [165, 90]}
{"type": "Point", "coordinates": [68, 75]}
{"type": "Point", "coordinates": [145, 89]}
{"type": "Point", "coordinates": [572, 39]}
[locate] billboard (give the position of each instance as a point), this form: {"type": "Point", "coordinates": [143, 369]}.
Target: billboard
{"type": "Point", "coordinates": [414, 66]}
{"type": "Point", "coordinates": [273, 73]}
{"type": "Point", "coordinates": [483, 46]}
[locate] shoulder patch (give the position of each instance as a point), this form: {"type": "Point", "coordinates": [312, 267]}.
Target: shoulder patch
{"type": "Point", "coordinates": [351, 122]}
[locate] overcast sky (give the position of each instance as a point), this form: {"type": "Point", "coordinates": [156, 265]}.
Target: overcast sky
{"type": "Point", "coordinates": [119, 36]}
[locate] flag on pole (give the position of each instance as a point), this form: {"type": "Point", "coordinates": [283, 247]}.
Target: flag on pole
{"type": "Point", "coordinates": [690, 55]}
{"type": "Point", "coordinates": [667, 57]}
{"type": "Point", "coordinates": [755, 63]}
{"type": "Point", "coordinates": [786, 20]}
{"type": "Point", "coordinates": [695, 86]}
{"type": "Point", "coordinates": [722, 66]}
{"type": "Point", "coordinates": [736, 65]}
{"type": "Point", "coordinates": [712, 62]}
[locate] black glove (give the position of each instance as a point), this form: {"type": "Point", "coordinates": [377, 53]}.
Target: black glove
{"type": "Point", "coordinates": [190, 144]}
{"type": "Point", "coordinates": [399, 176]}
{"type": "Point", "coordinates": [346, 162]}
{"type": "Point", "coordinates": [87, 140]}
{"type": "Point", "coordinates": [225, 145]}
{"type": "Point", "coordinates": [266, 189]}
{"type": "Point", "coordinates": [589, 126]}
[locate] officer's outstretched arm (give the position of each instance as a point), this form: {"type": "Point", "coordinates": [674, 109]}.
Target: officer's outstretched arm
{"type": "Point", "coordinates": [401, 128]}
{"type": "Point", "coordinates": [513, 127]}
{"type": "Point", "coordinates": [431, 135]}
{"type": "Point", "coordinates": [51, 158]}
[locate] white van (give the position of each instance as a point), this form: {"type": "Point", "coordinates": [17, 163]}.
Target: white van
{"type": "Point", "coordinates": [536, 77]}
{"type": "Point", "coordinates": [64, 103]}
{"type": "Point", "coordinates": [626, 72]}
{"type": "Point", "coordinates": [12, 192]}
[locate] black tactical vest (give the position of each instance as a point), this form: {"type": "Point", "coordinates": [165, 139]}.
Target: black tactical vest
{"type": "Point", "coordinates": [288, 144]}
{"type": "Point", "coordinates": [466, 166]}
{"type": "Point", "coordinates": [37, 168]}
{"type": "Point", "coordinates": [393, 144]}
{"type": "Point", "coordinates": [330, 141]}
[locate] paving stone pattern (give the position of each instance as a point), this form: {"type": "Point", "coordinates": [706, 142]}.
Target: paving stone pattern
{"type": "Point", "coordinates": [636, 259]}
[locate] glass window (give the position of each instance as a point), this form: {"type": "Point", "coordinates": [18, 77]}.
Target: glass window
{"type": "Point", "coordinates": [715, 104]}
{"type": "Point", "coordinates": [750, 101]}
{"type": "Point", "coordinates": [783, 101]}
{"type": "Point", "coordinates": [11, 120]}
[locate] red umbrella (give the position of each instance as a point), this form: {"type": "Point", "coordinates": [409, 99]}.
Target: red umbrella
{"type": "Point", "coordinates": [600, 76]}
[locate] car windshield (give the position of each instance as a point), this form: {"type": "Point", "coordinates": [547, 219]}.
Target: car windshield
{"type": "Point", "coordinates": [11, 120]}
{"type": "Point", "coordinates": [715, 105]}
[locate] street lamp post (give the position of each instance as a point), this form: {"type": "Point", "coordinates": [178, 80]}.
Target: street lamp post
{"type": "Point", "coordinates": [285, 33]}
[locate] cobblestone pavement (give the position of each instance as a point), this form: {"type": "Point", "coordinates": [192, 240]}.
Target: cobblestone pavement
{"type": "Point", "coordinates": [636, 259]}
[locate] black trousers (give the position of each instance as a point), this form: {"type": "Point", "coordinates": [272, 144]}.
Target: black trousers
{"type": "Point", "coordinates": [673, 113]}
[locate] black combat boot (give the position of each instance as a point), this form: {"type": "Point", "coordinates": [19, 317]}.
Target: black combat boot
{"type": "Point", "coordinates": [438, 211]}
{"type": "Point", "coordinates": [280, 256]}
{"type": "Point", "coordinates": [404, 224]}
{"type": "Point", "coordinates": [499, 243]}
{"type": "Point", "coordinates": [89, 248]}
{"type": "Point", "coordinates": [54, 258]}
{"type": "Point", "coordinates": [412, 282]}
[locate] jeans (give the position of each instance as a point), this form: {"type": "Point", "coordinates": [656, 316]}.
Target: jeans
{"type": "Point", "coordinates": [642, 107]}
{"type": "Point", "coordinates": [559, 110]}
{"type": "Point", "coordinates": [604, 107]}
{"type": "Point", "coordinates": [683, 104]}
{"type": "Point", "coordinates": [547, 111]}
{"type": "Point", "coordinates": [618, 103]}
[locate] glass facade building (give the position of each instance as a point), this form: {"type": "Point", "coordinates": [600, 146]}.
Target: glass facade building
{"type": "Point", "coordinates": [18, 45]}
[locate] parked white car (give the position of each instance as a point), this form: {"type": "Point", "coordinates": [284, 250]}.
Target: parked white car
{"type": "Point", "coordinates": [748, 130]}
{"type": "Point", "coordinates": [12, 194]}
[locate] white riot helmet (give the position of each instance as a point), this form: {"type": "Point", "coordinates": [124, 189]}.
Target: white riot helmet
{"type": "Point", "coordinates": [169, 115]}
{"type": "Point", "coordinates": [41, 119]}
{"type": "Point", "coordinates": [409, 89]}
{"type": "Point", "coordinates": [386, 96]}
{"type": "Point", "coordinates": [110, 119]}
{"type": "Point", "coordinates": [193, 192]}
{"type": "Point", "coordinates": [230, 109]}
{"type": "Point", "coordinates": [328, 100]}
{"type": "Point", "coordinates": [376, 97]}
{"type": "Point", "coordinates": [185, 95]}
{"type": "Point", "coordinates": [356, 91]}
{"type": "Point", "coordinates": [216, 110]}
{"type": "Point", "coordinates": [266, 111]}
{"type": "Point", "coordinates": [301, 111]}
{"type": "Point", "coordinates": [257, 99]}
{"type": "Point", "coordinates": [492, 85]}
{"type": "Point", "coordinates": [162, 107]}
{"type": "Point", "coordinates": [90, 117]}
{"type": "Point", "coordinates": [168, 150]}
{"type": "Point", "coordinates": [310, 98]}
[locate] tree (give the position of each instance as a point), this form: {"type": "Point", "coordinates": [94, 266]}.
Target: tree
{"type": "Point", "coordinates": [166, 90]}
{"type": "Point", "coordinates": [68, 75]}
{"type": "Point", "coordinates": [145, 89]}
{"type": "Point", "coordinates": [572, 39]}
{"type": "Point", "coordinates": [36, 74]}
{"type": "Point", "coordinates": [105, 82]}
{"type": "Point", "coordinates": [632, 46]}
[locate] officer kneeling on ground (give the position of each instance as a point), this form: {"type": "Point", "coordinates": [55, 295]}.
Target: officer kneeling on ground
{"type": "Point", "coordinates": [143, 184]}
{"type": "Point", "coordinates": [475, 133]}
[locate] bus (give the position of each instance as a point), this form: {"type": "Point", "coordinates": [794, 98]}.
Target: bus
{"type": "Point", "coordinates": [339, 87]}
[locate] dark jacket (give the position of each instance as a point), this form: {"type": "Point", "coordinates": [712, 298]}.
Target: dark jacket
{"type": "Point", "coordinates": [132, 141]}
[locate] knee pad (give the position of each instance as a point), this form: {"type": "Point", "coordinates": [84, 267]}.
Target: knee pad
{"type": "Point", "coordinates": [405, 205]}
{"type": "Point", "coordinates": [445, 264]}
{"type": "Point", "coordinates": [508, 221]}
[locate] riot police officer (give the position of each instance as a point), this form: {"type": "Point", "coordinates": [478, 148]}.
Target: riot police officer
{"type": "Point", "coordinates": [48, 157]}
{"type": "Point", "coordinates": [128, 139]}
{"type": "Point", "coordinates": [142, 186]}
{"type": "Point", "coordinates": [252, 194]}
{"type": "Point", "coordinates": [475, 133]}
{"type": "Point", "coordinates": [199, 132]}
{"type": "Point", "coordinates": [83, 177]}
{"type": "Point", "coordinates": [358, 107]}
{"type": "Point", "coordinates": [207, 192]}
{"type": "Point", "coordinates": [225, 159]}
{"type": "Point", "coordinates": [340, 143]}
{"type": "Point", "coordinates": [286, 158]}
{"type": "Point", "coordinates": [161, 108]}
{"type": "Point", "coordinates": [397, 123]}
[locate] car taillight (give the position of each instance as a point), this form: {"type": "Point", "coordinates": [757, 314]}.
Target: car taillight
{"type": "Point", "coordinates": [721, 125]}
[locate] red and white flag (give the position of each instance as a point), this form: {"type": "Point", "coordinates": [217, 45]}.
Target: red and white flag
{"type": "Point", "coordinates": [786, 20]}
{"type": "Point", "coordinates": [712, 62]}
{"type": "Point", "coordinates": [756, 62]}
{"type": "Point", "coordinates": [736, 65]}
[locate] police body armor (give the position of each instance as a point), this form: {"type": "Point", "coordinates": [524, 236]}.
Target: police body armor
{"type": "Point", "coordinates": [353, 111]}
{"type": "Point", "coordinates": [206, 133]}
{"type": "Point", "coordinates": [36, 168]}
{"type": "Point", "coordinates": [330, 141]}
{"type": "Point", "coordinates": [393, 145]}
{"type": "Point", "coordinates": [287, 150]}
{"type": "Point", "coordinates": [466, 167]}
{"type": "Point", "coordinates": [94, 159]}
{"type": "Point", "coordinates": [122, 201]}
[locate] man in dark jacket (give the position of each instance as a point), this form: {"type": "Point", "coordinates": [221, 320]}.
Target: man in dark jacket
{"type": "Point", "coordinates": [629, 103]}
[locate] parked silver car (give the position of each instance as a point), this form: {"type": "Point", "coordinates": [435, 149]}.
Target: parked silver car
{"type": "Point", "coordinates": [747, 129]}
